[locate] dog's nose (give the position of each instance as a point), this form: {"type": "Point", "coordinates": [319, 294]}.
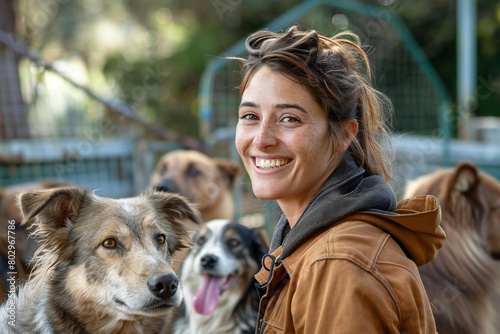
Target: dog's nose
{"type": "Point", "coordinates": [163, 285]}
{"type": "Point", "coordinates": [209, 261]}
{"type": "Point", "coordinates": [163, 187]}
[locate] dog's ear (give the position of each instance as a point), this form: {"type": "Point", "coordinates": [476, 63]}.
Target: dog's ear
{"type": "Point", "coordinates": [174, 206]}
{"type": "Point", "coordinates": [50, 209]}
{"type": "Point", "coordinates": [260, 238]}
{"type": "Point", "coordinates": [179, 212]}
{"type": "Point", "coordinates": [260, 243]}
{"type": "Point", "coordinates": [466, 176]}
{"type": "Point", "coordinates": [229, 169]}
{"type": "Point", "coordinates": [463, 182]}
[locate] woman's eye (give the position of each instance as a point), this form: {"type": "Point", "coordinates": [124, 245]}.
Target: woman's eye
{"type": "Point", "coordinates": [109, 243]}
{"type": "Point", "coordinates": [249, 117]}
{"type": "Point", "coordinates": [290, 119]}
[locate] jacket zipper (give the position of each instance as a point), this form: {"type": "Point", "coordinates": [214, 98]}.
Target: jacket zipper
{"type": "Point", "coordinates": [263, 290]}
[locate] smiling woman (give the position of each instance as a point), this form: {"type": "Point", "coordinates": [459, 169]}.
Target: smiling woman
{"type": "Point", "coordinates": [308, 131]}
{"type": "Point", "coordinates": [282, 125]}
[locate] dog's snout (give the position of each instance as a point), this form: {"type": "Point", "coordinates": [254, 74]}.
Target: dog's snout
{"type": "Point", "coordinates": [163, 187]}
{"type": "Point", "coordinates": [209, 261]}
{"type": "Point", "coordinates": [163, 285]}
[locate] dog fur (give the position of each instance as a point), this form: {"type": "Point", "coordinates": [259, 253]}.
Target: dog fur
{"type": "Point", "coordinates": [219, 272]}
{"type": "Point", "coordinates": [104, 265]}
{"type": "Point", "coordinates": [25, 247]}
{"type": "Point", "coordinates": [207, 182]}
{"type": "Point", "coordinates": [463, 278]}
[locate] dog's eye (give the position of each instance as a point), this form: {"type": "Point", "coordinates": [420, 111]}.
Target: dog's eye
{"type": "Point", "coordinates": [192, 171]}
{"type": "Point", "coordinates": [109, 243]}
{"type": "Point", "coordinates": [233, 243]}
{"type": "Point", "coordinates": [160, 239]}
{"type": "Point", "coordinates": [201, 240]}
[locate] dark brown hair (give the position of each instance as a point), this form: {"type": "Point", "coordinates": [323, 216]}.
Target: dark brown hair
{"type": "Point", "coordinates": [337, 72]}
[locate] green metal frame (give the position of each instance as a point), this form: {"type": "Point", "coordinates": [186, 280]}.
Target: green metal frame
{"type": "Point", "coordinates": [206, 84]}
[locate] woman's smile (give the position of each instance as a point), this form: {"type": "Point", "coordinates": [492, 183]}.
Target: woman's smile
{"type": "Point", "coordinates": [266, 164]}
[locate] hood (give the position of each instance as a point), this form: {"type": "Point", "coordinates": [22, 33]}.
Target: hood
{"type": "Point", "coordinates": [414, 225]}
{"type": "Point", "coordinates": [350, 193]}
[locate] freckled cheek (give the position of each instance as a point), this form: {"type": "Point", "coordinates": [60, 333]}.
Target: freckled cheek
{"type": "Point", "coordinates": [300, 142]}
{"type": "Point", "coordinates": [242, 140]}
{"type": "Point", "coordinates": [311, 149]}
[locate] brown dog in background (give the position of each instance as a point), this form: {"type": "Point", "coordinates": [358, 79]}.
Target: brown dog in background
{"type": "Point", "coordinates": [207, 182]}
{"type": "Point", "coordinates": [461, 282]}
{"type": "Point", "coordinates": [25, 247]}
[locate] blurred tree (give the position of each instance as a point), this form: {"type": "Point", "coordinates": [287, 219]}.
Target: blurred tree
{"type": "Point", "coordinates": [13, 111]}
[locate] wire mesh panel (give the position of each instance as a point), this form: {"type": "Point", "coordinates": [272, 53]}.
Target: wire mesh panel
{"type": "Point", "coordinates": [60, 129]}
{"type": "Point", "coordinates": [107, 165]}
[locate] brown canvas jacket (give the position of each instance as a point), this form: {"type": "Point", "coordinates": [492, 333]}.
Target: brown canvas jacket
{"type": "Point", "coordinates": [358, 276]}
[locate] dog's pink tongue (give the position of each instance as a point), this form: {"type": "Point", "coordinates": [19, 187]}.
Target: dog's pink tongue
{"type": "Point", "coordinates": [207, 297]}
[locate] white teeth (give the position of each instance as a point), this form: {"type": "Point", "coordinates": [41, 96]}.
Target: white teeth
{"type": "Point", "coordinates": [269, 164]}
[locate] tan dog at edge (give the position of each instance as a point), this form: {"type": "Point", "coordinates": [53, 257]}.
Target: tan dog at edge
{"type": "Point", "coordinates": [464, 277]}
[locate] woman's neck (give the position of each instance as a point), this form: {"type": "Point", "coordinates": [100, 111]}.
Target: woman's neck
{"type": "Point", "coordinates": [292, 211]}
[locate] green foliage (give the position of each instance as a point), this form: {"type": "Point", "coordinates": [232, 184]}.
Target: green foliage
{"type": "Point", "coordinates": [488, 85]}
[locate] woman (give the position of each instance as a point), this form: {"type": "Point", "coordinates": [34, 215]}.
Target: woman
{"type": "Point", "coordinates": [344, 255]}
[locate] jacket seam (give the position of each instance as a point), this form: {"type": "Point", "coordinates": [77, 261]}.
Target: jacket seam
{"type": "Point", "coordinates": [379, 249]}
{"type": "Point", "coordinates": [400, 266]}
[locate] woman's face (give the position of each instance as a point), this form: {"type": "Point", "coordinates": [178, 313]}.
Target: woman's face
{"type": "Point", "coordinates": [282, 136]}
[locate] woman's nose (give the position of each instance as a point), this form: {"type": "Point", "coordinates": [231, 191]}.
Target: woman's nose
{"type": "Point", "coordinates": [265, 136]}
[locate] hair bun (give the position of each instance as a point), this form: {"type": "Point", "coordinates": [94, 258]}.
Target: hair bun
{"type": "Point", "coordinates": [257, 41]}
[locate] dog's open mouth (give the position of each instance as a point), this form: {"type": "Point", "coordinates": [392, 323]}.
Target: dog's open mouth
{"type": "Point", "coordinates": [208, 296]}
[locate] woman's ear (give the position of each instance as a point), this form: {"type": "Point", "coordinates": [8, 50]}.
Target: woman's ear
{"type": "Point", "coordinates": [350, 130]}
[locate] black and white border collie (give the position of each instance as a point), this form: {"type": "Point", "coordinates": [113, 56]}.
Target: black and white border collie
{"type": "Point", "coordinates": [217, 277]}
